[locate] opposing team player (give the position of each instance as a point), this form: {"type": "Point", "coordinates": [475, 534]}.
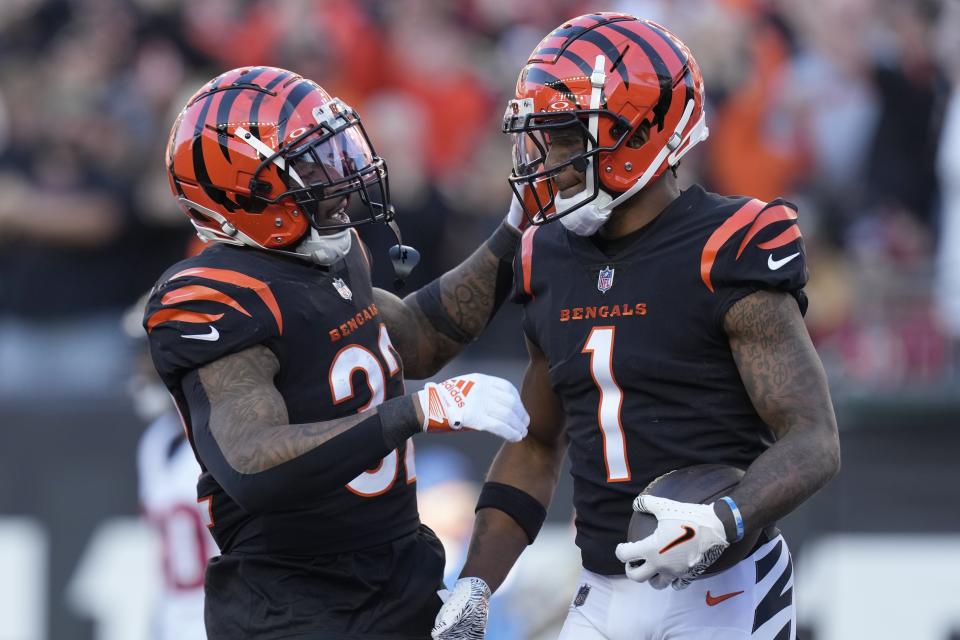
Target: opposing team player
{"type": "Point", "coordinates": [167, 474]}
{"type": "Point", "coordinates": [665, 330]}
{"type": "Point", "coordinates": [287, 366]}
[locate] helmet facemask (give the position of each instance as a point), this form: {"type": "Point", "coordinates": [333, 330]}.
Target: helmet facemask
{"type": "Point", "coordinates": [533, 134]}
{"type": "Point", "coordinates": [323, 167]}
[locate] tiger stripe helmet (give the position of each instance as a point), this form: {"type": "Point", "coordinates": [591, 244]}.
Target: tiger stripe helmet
{"type": "Point", "coordinates": [255, 153]}
{"type": "Point", "coordinates": [633, 88]}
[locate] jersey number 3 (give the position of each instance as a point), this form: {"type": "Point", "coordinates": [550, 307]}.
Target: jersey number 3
{"type": "Point", "coordinates": [600, 347]}
{"type": "Point", "coordinates": [347, 361]}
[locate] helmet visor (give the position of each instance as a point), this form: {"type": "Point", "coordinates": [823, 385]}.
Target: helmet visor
{"type": "Point", "coordinates": [335, 165]}
{"type": "Point", "coordinates": [330, 164]}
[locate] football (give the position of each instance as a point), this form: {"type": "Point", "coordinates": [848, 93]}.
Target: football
{"type": "Point", "coordinates": [702, 483]}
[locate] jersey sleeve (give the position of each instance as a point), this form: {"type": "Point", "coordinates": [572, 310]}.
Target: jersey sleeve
{"type": "Point", "coordinates": [200, 315]}
{"type": "Point", "coordinates": [758, 247]}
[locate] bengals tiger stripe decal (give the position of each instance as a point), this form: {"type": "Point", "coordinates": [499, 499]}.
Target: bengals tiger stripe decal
{"type": "Point", "coordinates": [758, 215]}
{"type": "Point", "coordinates": [189, 293]}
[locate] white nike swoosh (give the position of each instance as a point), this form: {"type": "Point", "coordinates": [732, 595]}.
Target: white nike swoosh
{"type": "Point", "coordinates": [776, 264]}
{"type": "Point", "coordinates": [213, 336]}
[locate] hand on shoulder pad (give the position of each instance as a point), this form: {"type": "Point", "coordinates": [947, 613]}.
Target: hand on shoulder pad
{"type": "Point", "coordinates": [474, 401]}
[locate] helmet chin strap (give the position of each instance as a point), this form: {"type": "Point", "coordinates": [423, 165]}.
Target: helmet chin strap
{"type": "Point", "coordinates": [588, 218]}
{"type": "Point", "coordinates": [325, 249]}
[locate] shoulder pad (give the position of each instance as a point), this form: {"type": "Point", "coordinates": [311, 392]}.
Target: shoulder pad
{"type": "Point", "coordinates": [201, 314]}
{"type": "Point", "coordinates": [758, 245]}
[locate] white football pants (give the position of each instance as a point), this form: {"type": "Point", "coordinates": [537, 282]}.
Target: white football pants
{"type": "Point", "coordinates": [751, 600]}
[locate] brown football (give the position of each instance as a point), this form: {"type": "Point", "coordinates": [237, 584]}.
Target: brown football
{"type": "Point", "coordinates": [702, 483]}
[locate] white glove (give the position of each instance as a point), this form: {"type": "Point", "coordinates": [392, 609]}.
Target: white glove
{"type": "Point", "coordinates": [464, 614]}
{"type": "Point", "coordinates": [516, 218]}
{"type": "Point", "coordinates": [689, 538]}
{"type": "Point", "coordinates": [474, 401]}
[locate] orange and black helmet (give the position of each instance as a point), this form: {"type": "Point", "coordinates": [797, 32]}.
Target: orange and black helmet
{"type": "Point", "coordinates": [257, 150]}
{"type": "Point", "coordinates": [632, 89]}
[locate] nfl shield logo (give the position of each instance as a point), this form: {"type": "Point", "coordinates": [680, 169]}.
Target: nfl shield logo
{"type": "Point", "coordinates": [342, 288]}
{"type": "Point", "coordinates": [605, 280]}
{"type": "Point", "coordinates": [581, 595]}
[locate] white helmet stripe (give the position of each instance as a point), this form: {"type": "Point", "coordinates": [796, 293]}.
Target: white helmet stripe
{"type": "Point", "coordinates": [264, 150]}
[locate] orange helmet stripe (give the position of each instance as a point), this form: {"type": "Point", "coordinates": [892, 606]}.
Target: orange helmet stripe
{"type": "Point", "coordinates": [236, 278]}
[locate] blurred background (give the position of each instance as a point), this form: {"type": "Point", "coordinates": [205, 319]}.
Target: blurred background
{"type": "Point", "coordinates": [849, 108]}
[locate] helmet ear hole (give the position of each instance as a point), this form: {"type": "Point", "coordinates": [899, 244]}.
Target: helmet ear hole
{"type": "Point", "coordinates": [640, 136]}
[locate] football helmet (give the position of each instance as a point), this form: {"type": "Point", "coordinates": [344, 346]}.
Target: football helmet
{"type": "Point", "coordinates": [633, 92]}
{"type": "Point", "coordinates": [261, 156]}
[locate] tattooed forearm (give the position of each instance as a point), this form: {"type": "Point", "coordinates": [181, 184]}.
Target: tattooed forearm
{"type": "Point", "coordinates": [467, 292]}
{"type": "Point", "coordinates": [786, 382]}
{"type": "Point", "coordinates": [248, 417]}
{"type": "Point", "coordinates": [432, 325]}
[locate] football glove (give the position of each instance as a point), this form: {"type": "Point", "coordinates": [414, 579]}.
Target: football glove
{"type": "Point", "coordinates": [474, 401]}
{"type": "Point", "coordinates": [516, 218]}
{"type": "Point", "coordinates": [464, 614]}
{"type": "Point", "coordinates": [688, 539]}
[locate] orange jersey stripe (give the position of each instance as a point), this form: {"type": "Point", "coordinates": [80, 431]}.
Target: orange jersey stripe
{"type": "Point", "coordinates": [778, 213]}
{"type": "Point", "coordinates": [199, 292]}
{"type": "Point", "coordinates": [784, 238]}
{"type": "Point", "coordinates": [363, 248]}
{"type": "Point", "coordinates": [743, 216]}
{"type": "Point", "coordinates": [179, 315]}
{"type": "Point", "coordinates": [526, 257]}
{"type": "Point", "coordinates": [236, 278]}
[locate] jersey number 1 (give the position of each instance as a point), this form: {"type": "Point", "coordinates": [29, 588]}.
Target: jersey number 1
{"type": "Point", "coordinates": [600, 347]}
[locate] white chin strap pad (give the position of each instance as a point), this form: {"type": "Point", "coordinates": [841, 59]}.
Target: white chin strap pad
{"type": "Point", "coordinates": [588, 219]}
{"type": "Point", "coordinates": [325, 250]}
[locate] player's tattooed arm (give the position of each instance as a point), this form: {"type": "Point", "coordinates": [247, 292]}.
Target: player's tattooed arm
{"type": "Point", "coordinates": [532, 465]}
{"type": "Point", "coordinates": [788, 387]}
{"type": "Point", "coordinates": [248, 417]}
{"type": "Point", "coordinates": [432, 325]}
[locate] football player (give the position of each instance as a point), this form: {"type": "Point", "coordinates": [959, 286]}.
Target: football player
{"type": "Point", "coordinates": [287, 366]}
{"type": "Point", "coordinates": [167, 474]}
{"type": "Point", "coordinates": [665, 330]}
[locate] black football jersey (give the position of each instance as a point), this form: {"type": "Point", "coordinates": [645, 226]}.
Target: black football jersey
{"type": "Point", "coordinates": [636, 348]}
{"type": "Point", "coordinates": [335, 360]}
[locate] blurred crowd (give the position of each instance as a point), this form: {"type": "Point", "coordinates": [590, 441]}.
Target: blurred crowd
{"type": "Point", "coordinates": [847, 107]}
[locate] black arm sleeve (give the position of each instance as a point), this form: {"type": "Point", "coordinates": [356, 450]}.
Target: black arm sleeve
{"type": "Point", "coordinates": [502, 244]}
{"type": "Point", "coordinates": [297, 482]}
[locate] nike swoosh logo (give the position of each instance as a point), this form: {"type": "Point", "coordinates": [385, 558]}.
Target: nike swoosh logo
{"type": "Point", "coordinates": [776, 264]}
{"type": "Point", "coordinates": [688, 534]}
{"type": "Point", "coordinates": [213, 336]}
{"type": "Point", "coordinates": [714, 601]}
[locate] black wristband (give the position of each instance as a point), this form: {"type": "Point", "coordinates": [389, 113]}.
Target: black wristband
{"type": "Point", "coordinates": [516, 503]}
{"type": "Point", "coordinates": [504, 241]}
{"type": "Point", "coordinates": [428, 299]}
{"type": "Point", "coordinates": [398, 417]}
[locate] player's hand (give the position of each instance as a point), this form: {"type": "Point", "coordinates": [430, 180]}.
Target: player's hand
{"type": "Point", "coordinates": [464, 614]}
{"type": "Point", "coordinates": [474, 401]}
{"type": "Point", "coordinates": [516, 218]}
{"type": "Point", "coordinates": [688, 539]}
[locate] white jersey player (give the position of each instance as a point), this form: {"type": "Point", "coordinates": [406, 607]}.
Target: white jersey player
{"type": "Point", "coordinates": [167, 472]}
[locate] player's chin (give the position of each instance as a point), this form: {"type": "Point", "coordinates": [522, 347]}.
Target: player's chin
{"type": "Point", "coordinates": [332, 219]}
